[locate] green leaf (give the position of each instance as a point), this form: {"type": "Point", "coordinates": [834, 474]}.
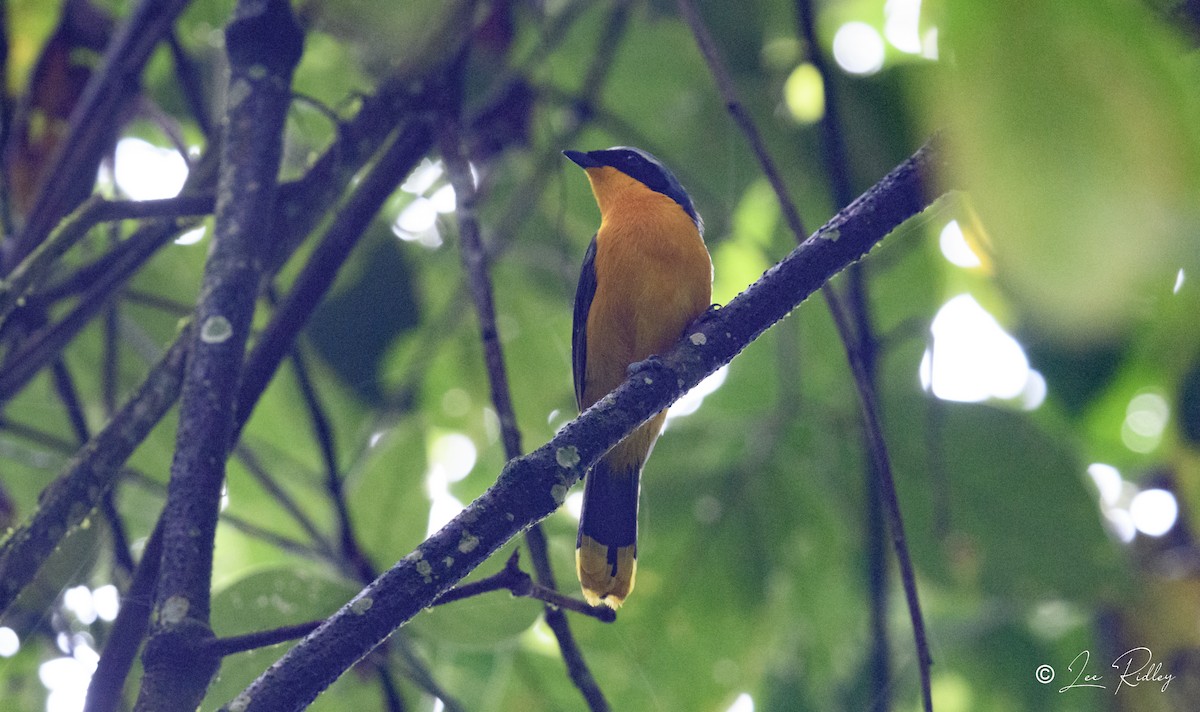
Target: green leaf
{"type": "Point", "coordinates": [1074, 126]}
{"type": "Point", "coordinates": [995, 501]}
{"type": "Point", "coordinates": [277, 597]}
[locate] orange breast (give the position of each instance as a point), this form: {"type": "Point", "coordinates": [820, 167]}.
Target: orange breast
{"type": "Point", "coordinates": [653, 278]}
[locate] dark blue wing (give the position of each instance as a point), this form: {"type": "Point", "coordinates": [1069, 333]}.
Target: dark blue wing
{"type": "Point", "coordinates": [583, 304]}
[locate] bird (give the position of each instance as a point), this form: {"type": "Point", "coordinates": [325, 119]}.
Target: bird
{"type": "Point", "coordinates": [646, 276]}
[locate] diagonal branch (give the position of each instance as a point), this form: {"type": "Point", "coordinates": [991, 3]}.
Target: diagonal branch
{"type": "Point", "coordinates": [861, 371]}
{"type": "Point", "coordinates": [861, 343]}
{"type": "Point", "coordinates": [34, 269]}
{"type": "Point", "coordinates": [510, 578]}
{"type": "Point", "coordinates": [352, 219]}
{"type": "Point", "coordinates": [76, 492]}
{"type": "Point", "coordinates": [724, 82]}
{"type": "Point", "coordinates": [94, 120]}
{"type": "Point", "coordinates": [521, 585]}
{"type": "Point", "coordinates": [67, 501]}
{"type": "Point", "coordinates": [531, 487]}
{"type": "Point", "coordinates": [97, 283]}
{"type": "Point", "coordinates": [475, 263]}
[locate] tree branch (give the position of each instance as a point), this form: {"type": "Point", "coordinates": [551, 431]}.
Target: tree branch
{"type": "Point", "coordinates": [64, 383]}
{"type": "Point", "coordinates": [95, 120]}
{"type": "Point", "coordinates": [276, 340]}
{"type": "Point", "coordinates": [221, 647]}
{"type": "Point", "coordinates": [34, 269]}
{"type": "Point", "coordinates": [98, 282]}
{"type": "Point", "coordinates": [73, 496]}
{"type": "Point", "coordinates": [708, 49]}
{"type": "Point", "coordinates": [66, 502]}
{"type": "Point", "coordinates": [531, 487]}
{"type": "Point", "coordinates": [881, 464]}
{"type": "Point", "coordinates": [128, 630]}
{"type": "Point", "coordinates": [300, 206]}
{"type": "Point", "coordinates": [264, 44]}
{"type": "Point", "coordinates": [511, 578]}
{"type": "Point", "coordinates": [862, 372]}
{"type": "Point", "coordinates": [861, 339]}
{"type": "Point", "coordinates": [521, 585]}
{"type": "Point", "coordinates": [475, 264]}
{"type": "Point", "coordinates": [351, 557]}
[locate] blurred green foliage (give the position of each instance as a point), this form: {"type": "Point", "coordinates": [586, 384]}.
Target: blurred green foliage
{"type": "Point", "coordinates": [1073, 134]}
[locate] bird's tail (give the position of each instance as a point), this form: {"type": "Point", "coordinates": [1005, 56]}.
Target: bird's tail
{"type": "Point", "coordinates": [606, 549]}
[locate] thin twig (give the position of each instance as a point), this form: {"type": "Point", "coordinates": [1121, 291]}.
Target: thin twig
{"type": "Point", "coordinates": [34, 269]}
{"type": "Point", "coordinates": [607, 43]}
{"type": "Point", "coordinates": [302, 205]}
{"type": "Point", "coordinates": [392, 700]}
{"type": "Point", "coordinates": [712, 56]}
{"type": "Point", "coordinates": [230, 645]}
{"type": "Point", "coordinates": [531, 487]}
{"type": "Point", "coordinates": [280, 496]}
{"type": "Point", "coordinates": [189, 82]}
{"type": "Point", "coordinates": [64, 385]}
{"type": "Point", "coordinates": [112, 345]}
{"type": "Point", "coordinates": [512, 579]}
{"type": "Point", "coordinates": [279, 541]}
{"type": "Point", "coordinates": [862, 379]}
{"type": "Point", "coordinates": [879, 455]}
{"type": "Point", "coordinates": [837, 169]}
{"type": "Point", "coordinates": [418, 672]}
{"type": "Point", "coordinates": [98, 284]}
{"type": "Point", "coordinates": [94, 120]}
{"type": "Point", "coordinates": [276, 340]}
{"type": "Point", "coordinates": [475, 264]}
{"type": "Point", "coordinates": [351, 555]}
{"type": "Point", "coordinates": [66, 502]}
{"type": "Point", "coordinates": [7, 111]}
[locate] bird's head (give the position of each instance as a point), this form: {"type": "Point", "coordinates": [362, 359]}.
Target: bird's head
{"type": "Point", "coordinates": [631, 163]}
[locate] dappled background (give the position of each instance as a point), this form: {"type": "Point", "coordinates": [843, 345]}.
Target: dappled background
{"type": "Point", "coordinates": [1033, 338]}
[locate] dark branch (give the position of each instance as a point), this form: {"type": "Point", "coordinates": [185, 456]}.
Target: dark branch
{"type": "Point", "coordinates": [862, 372]}
{"type": "Point", "coordinates": [531, 487]}
{"type": "Point", "coordinates": [862, 339]}
{"type": "Point", "coordinates": [351, 556]}
{"type": "Point", "coordinates": [70, 499]}
{"type": "Point", "coordinates": [220, 647]}
{"type": "Point", "coordinates": [475, 264]}
{"type": "Point", "coordinates": [302, 205]}
{"type": "Point", "coordinates": [64, 384]}
{"type": "Point", "coordinates": [95, 119]}
{"type": "Point", "coordinates": [105, 689]}
{"type": "Point", "coordinates": [32, 271]}
{"type": "Point", "coordinates": [352, 219]}
{"type": "Point", "coordinates": [98, 282]}
{"type": "Point", "coordinates": [708, 49]}
{"type": "Point", "coordinates": [881, 465]}
{"type": "Point", "coordinates": [264, 44]}
{"type": "Point", "coordinates": [92, 472]}
{"type": "Point", "coordinates": [512, 579]}
{"type": "Point", "coordinates": [280, 496]}
{"type": "Point", "coordinates": [607, 43]}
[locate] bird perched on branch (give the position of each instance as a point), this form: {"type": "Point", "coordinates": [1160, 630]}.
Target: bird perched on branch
{"type": "Point", "coordinates": [646, 276]}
